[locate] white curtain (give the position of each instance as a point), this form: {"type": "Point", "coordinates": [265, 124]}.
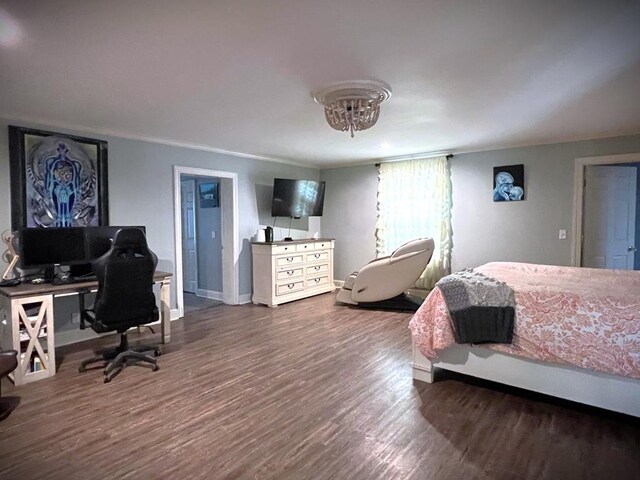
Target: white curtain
{"type": "Point", "coordinates": [414, 201]}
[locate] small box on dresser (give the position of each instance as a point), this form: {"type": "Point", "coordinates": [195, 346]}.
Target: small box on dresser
{"type": "Point", "coordinates": [287, 271]}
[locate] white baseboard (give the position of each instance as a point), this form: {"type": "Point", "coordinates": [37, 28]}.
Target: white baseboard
{"type": "Point", "coordinates": [338, 283]}
{"type": "Point", "coordinates": [174, 314]}
{"type": "Point", "coordinates": [201, 292]}
{"type": "Point", "coordinates": [246, 298]}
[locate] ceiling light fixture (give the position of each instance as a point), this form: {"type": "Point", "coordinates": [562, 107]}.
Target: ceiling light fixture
{"type": "Point", "coordinates": [354, 105]}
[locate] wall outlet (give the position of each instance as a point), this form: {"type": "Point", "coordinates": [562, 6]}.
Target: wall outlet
{"type": "Point", "coordinates": [562, 234]}
{"type": "Point", "coordinates": [213, 234]}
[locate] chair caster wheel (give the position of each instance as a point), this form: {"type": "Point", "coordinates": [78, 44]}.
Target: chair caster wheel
{"type": "Point", "coordinates": [106, 379]}
{"type": "Point", "coordinates": [157, 353]}
{"type": "Point", "coordinates": [82, 369]}
{"type": "Point", "coordinates": [155, 368]}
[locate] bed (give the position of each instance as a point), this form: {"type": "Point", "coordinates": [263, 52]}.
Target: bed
{"type": "Point", "coordinates": [576, 336]}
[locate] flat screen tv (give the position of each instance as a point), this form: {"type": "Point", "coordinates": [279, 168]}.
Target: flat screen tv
{"type": "Point", "coordinates": [297, 198]}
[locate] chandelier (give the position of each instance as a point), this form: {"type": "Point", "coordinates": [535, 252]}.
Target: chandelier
{"type": "Point", "coordinates": [354, 105]}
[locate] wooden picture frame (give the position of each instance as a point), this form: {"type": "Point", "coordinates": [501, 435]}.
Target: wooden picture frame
{"type": "Point", "coordinates": [57, 180]}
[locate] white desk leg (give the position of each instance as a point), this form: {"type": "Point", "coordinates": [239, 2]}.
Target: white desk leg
{"type": "Point", "coordinates": [165, 310]}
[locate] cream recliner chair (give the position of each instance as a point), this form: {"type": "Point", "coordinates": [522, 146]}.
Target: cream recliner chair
{"type": "Point", "coordinates": [388, 277]}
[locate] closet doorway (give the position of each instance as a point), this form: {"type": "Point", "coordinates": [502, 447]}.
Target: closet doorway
{"type": "Point", "coordinates": [607, 212]}
{"type": "Point", "coordinates": [206, 233]}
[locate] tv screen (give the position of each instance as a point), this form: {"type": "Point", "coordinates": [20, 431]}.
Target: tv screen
{"type": "Point", "coordinates": [297, 198]}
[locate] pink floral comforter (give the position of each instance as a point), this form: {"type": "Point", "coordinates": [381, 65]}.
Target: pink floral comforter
{"type": "Point", "coordinates": [585, 317]}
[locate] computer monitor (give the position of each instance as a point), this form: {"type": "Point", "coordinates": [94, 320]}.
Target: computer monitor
{"type": "Point", "coordinates": [98, 240]}
{"type": "Point", "coordinates": [75, 247]}
{"type": "Point", "coordinates": [48, 247]}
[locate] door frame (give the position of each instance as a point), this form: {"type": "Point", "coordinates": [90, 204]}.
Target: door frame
{"type": "Point", "coordinates": [230, 236]}
{"type": "Point", "coordinates": [195, 225]}
{"type": "Point", "coordinates": [578, 196]}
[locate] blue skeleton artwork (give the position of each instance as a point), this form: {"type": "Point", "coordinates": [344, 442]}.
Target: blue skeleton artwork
{"type": "Point", "coordinates": [62, 186]}
{"type": "Point", "coordinates": [62, 176]}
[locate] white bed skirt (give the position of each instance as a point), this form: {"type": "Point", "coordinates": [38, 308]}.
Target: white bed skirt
{"type": "Point", "coordinates": [611, 392]}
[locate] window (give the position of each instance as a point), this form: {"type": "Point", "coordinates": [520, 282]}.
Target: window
{"type": "Point", "coordinates": [414, 201]}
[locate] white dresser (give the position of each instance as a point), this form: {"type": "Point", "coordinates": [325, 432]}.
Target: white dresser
{"type": "Point", "coordinates": [286, 271]}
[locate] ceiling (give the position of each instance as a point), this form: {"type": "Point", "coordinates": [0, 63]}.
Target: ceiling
{"type": "Point", "coordinates": [237, 75]}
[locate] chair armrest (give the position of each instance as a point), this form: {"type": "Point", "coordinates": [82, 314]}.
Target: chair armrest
{"type": "Point", "coordinates": [8, 361]}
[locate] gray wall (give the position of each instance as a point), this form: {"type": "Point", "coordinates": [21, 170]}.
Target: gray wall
{"type": "Point", "coordinates": [350, 216]}
{"type": "Point", "coordinates": [483, 230]}
{"type": "Point", "coordinates": [141, 190]}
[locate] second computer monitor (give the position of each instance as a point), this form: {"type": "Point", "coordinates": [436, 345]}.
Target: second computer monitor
{"type": "Point", "coordinates": [98, 240]}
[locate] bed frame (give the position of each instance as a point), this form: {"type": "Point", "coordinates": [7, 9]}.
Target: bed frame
{"type": "Point", "coordinates": [611, 392]}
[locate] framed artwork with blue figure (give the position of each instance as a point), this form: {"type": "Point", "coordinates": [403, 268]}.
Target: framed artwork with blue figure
{"type": "Point", "coordinates": [508, 183]}
{"type": "Point", "coordinates": [57, 180]}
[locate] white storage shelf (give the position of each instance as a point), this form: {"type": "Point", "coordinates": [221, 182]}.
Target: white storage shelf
{"type": "Point", "coordinates": [30, 332]}
{"type": "Point", "coordinates": [287, 271]}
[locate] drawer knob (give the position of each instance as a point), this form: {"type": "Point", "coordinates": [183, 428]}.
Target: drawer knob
{"type": "Point", "coordinates": [290, 285]}
{"type": "Point", "coordinates": [316, 268]}
{"type": "Point", "coordinates": [289, 259]}
{"type": "Point", "coordinates": [317, 280]}
{"type": "Point", "coordinates": [290, 272]}
{"type": "Point", "coordinates": [317, 255]}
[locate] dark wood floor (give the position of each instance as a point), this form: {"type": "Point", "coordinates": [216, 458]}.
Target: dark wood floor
{"type": "Point", "coordinates": [307, 390]}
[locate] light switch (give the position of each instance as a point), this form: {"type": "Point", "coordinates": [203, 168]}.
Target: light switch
{"type": "Point", "coordinates": [562, 234]}
{"type": "Point", "coordinates": [213, 234]}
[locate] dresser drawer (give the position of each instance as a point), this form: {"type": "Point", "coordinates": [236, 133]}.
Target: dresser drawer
{"type": "Point", "coordinates": [305, 247]}
{"type": "Point", "coordinates": [289, 260]}
{"type": "Point", "coordinates": [317, 256]}
{"type": "Point", "coordinates": [289, 273]}
{"type": "Point", "coordinates": [317, 281]}
{"type": "Point", "coordinates": [322, 245]}
{"type": "Point", "coordinates": [314, 270]}
{"type": "Point", "coordinates": [285, 288]}
{"type": "Point", "coordinates": [283, 249]}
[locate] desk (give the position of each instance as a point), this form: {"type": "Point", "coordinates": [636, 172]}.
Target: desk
{"type": "Point", "coordinates": [37, 328]}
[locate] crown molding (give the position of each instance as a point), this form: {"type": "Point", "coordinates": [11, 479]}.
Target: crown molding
{"type": "Point", "coordinates": [497, 147]}
{"type": "Point", "coordinates": [47, 124]}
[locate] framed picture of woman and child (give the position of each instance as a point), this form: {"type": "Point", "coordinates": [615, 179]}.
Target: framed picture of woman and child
{"type": "Point", "coordinates": [508, 183]}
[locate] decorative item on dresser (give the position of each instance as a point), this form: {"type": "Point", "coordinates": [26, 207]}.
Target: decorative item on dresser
{"type": "Point", "coordinates": [287, 271]}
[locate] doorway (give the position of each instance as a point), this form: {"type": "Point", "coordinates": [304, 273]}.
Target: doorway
{"type": "Point", "coordinates": [607, 212]}
{"type": "Point", "coordinates": [201, 242]}
{"type": "Point", "coordinates": [189, 234]}
{"type": "Point", "coordinates": [193, 193]}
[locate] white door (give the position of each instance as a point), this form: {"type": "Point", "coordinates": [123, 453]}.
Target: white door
{"type": "Point", "coordinates": [609, 217]}
{"type": "Point", "coordinates": [189, 251]}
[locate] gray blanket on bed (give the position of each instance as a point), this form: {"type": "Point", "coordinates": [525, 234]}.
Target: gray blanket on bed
{"type": "Point", "coordinates": [482, 308]}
